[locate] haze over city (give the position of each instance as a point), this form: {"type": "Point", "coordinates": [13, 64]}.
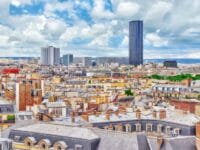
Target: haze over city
{"type": "Point", "coordinates": [99, 27]}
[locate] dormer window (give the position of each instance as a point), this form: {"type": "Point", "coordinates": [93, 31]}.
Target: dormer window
{"type": "Point", "coordinates": [128, 127]}
{"type": "Point", "coordinates": [159, 128]}
{"type": "Point", "coordinates": [78, 147]}
{"type": "Point", "coordinates": [167, 130]}
{"type": "Point", "coordinates": [138, 127]}
{"type": "Point", "coordinates": [176, 131]}
{"type": "Point", "coordinates": [148, 127]}
{"type": "Point", "coordinates": [16, 138]}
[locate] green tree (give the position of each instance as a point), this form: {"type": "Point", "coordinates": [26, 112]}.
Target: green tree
{"type": "Point", "coordinates": [11, 117]}
{"type": "Point", "coordinates": [128, 92]}
{"type": "Point", "coordinates": [198, 97]}
{"type": "Point", "coordinates": [187, 97]}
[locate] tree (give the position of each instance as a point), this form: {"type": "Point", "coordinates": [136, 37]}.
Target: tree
{"type": "Point", "coordinates": [11, 117]}
{"type": "Point", "coordinates": [187, 97]}
{"type": "Point", "coordinates": [198, 97]}
{"type": "Point", "coordinates": [128, 92]}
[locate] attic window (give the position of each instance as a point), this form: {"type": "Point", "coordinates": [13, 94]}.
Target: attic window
{"type": "Point", "coordinates": [159, 128]}
{"type": "Point", "coordinates": [78, 147]}
{"type": "Point", "coordinates": [128, 127]}
{"type": "Point", "coordinates": [176, 131]}
{"type": "Point", "coordinates": [167, 130]}
{"type": "Point", "coordinates": [148, 127]}
{"type": "Point", "coordinates": [138, 127]}
{"type": "Point", "coordinates": [16, 138]}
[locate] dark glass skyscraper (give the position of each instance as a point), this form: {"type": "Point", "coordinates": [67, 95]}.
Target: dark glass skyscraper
{"type": "Point", "coordinates": [136, 43]}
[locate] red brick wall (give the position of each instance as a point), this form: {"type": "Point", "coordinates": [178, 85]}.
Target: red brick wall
{"type": "Point", "coordinates": [183, 105]}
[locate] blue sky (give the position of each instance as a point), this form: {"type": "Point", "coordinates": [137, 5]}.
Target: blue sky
{"type": "Point", "coordinates": [99, 27]}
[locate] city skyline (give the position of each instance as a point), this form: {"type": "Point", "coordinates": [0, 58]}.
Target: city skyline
{"type": "Point", "coordinates": [99, 28]}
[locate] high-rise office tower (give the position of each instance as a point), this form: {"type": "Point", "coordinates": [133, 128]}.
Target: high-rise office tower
{"type": "Point", "coordinates": [67, 59]}
{"type": "Point", "coordinates": [50, 55]}
{"type": "Point", "coordinates": [136, 43]}
{"type": "Point", "coordinates": [87, 61]}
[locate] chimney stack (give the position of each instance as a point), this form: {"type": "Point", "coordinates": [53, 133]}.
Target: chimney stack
{"type": "Point", "coordinates": [154, 114]}
{"type": "Point", "coordinates": [107, 116]}
{"type": "Point", "coordinates": [162, 114]}
{"type": "Point", "coordinates": [85, 117]}
{"type": "Point", "coordinates": [72, 116]}
{"type": "Point", "coordinates": [117, 112]}
{"type": "Point", "coordinates": [138, 114]}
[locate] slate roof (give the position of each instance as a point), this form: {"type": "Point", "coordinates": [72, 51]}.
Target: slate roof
{"type": "Point", "coordinates": [181, 142]}
{"type": "Point", "coordinates": [110, 140]}
{"type": "Point", "coordinates": [60, 130]}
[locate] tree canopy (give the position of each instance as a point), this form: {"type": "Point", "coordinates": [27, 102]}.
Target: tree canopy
{"type": "Point", "coordinates": [128, 92]}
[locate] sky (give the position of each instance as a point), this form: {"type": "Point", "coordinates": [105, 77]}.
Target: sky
{"type": "Point", "coordinates": [99, 27]}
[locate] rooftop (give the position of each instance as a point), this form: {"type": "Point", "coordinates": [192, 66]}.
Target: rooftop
{"type": "Point", "coordinates": [174, 116]}
{"type": "Point", "coordinates": [60, 130]}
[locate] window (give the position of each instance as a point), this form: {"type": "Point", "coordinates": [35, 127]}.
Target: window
{"type": "Point", "coordinates": [167, 130]}
{"type": "Point", "coordinates": [43, 146]}
{"type": "Point", "coordinates": [176, 131]}
{"type": "Point", "coordinates": [29, 144]}
{"type": "Point", "coordinates": [16, 138]}
{"type": "Point", "coordinates": [159, 128]}
{"type": "Point", "coordinates": [78, 147]}
{"type": "Point", "coordinates": [148, 127]}
{"type": "Point", "coordinates": [128, 128]}
{"type": "Point", "coordinates": [138, 127]}
{"type": "Point", "coordinates": [59, 148]}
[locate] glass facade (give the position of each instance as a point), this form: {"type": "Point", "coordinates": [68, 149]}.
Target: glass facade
{"type": "Point", "coordinates": [67, 59]}
{"type": "Point", "coordinates": [136, 43]}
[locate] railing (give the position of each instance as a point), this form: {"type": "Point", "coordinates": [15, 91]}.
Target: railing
{"type": "Point", "coordinates": [7, 121]}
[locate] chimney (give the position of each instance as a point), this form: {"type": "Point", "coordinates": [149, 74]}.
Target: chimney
{"type": "Point", "coordinates": [138, 114]}
{"type": "Point", "coordinates": [107, 116]}
{"type": "Point", "coordinates": [154, 114]}
{"type": "Point", "coordinates": [159, 141]}
{"type": "Point", "coordinates": [119, 127]}
{"type": "Point", "coordinates": [72, 114]}
{"type": "Point", "coordinates": [198, 135]}
{"type": "Point", "coordinates": [110, 127]}
{"type": "Point", "coordinates": [85, 117]}
{"type": "Point", "coordinates": [117, 112]}
{"type": "Point", "coordinates": [162, 114]}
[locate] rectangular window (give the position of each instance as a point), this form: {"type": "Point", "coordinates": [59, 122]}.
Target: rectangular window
{"type": "Point", "coordinates": [78, 147]}
{"type": "Point", "coordinates": [168, 130]}
{"type": "Point", "coordinates": [16, 138]}
{"type": "Point", "coordinates": [159, 128]}
{"type": "Point", "coordinates": [138, 127]}
{"type": "Point", "coordinates": [148, 127]}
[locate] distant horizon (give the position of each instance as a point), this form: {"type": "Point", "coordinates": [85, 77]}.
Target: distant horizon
{"type": "Point", "coordinates": [94, 57]}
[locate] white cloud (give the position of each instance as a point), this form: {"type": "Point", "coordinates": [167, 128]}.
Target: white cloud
{"type": "Point", "coordinates": [54, 28]}
{"type": "Point", "coordinates": [127, 9]}
{"type": "Point", "coordinates": [155, 40]}
{"type": "Point", "coordinates": [100, 12]}
{"type": "Point", "coordinates": [178, 20]}
{"type": "Point", "coordinates": [157, 11]}
{"type": "Point", "coordinates": [15, 3]}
